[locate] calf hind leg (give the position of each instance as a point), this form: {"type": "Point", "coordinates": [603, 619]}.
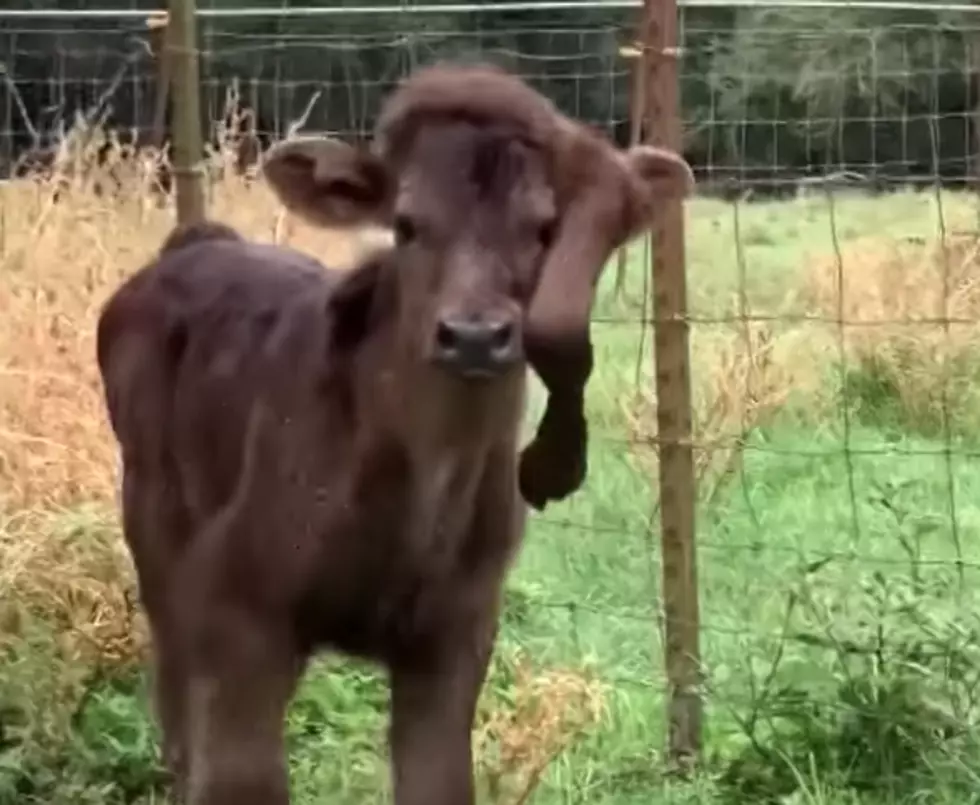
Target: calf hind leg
{"type": "Point", "coordinates": [155, 526]}
{"type": "Point", "coordinates": [170, 698]}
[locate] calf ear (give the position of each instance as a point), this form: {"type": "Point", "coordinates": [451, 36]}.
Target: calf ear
{"type": "Point", "coordinates": [654, 174]}
{"type": "Point", "coordinates": [330, 183]}
{"type": "Point", "coordinates": [557, 341]}
{"type": "Point", "coordinates": [609, 199]}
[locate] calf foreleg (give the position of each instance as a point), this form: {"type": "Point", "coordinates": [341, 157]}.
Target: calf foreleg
{"type": "Point", "coordinates": [433, 704]}
{"type": "Point", "coordinates": [242, 675]}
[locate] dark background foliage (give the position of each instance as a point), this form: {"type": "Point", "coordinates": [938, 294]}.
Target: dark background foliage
{"type": "Point", "coordinates": [769, 95]}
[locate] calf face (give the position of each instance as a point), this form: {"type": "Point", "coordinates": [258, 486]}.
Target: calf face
{"type": "Point", "coordinates": [472, 214]}
{"type": "Point", "coordinates": [472, 211]}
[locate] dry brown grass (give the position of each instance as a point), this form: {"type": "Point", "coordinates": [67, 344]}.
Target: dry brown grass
{"type": "Point", "coordinates": [71, 573]}
{"type": "Point", "coordinates": [66, 241]}
{"type": "Point", "coordinates": [58, 263]}
{"type": "Point", "coordinates": [912, 309]}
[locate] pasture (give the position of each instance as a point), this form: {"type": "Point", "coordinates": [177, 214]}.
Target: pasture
{"type": "Point", "coordinates": [839, 525]}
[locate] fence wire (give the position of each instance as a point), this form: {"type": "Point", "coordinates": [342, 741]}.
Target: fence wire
{"type": "Point", "coordinates": [833, 258]}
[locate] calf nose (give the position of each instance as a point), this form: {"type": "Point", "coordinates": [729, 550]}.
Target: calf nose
{"type": "Point", "coordinates": [479, 348]}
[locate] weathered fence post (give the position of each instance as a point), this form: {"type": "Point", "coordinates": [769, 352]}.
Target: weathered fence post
{"type": "Point", "coordinates": [673, 382]}
{"type": "Point", "coordinates": [161, 31]}
{"type": "Point", "coordinates": [186, 92]}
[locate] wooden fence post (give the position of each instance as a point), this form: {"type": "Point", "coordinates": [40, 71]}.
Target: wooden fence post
{"type": "Point", "coordinates": [160, 30]}
{"type": "Point", "coordinates": [186, 98]}
{"type": "Point", "coordinates": [678, 492]}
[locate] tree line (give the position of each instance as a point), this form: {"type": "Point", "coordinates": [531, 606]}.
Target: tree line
{"type": "Point", "coordinates": [770, 96]}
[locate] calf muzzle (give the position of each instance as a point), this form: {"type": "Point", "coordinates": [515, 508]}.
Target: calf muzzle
{"type": "Point", "coordinates": [477, 348]}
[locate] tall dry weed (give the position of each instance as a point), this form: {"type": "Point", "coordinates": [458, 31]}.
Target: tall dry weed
{"type": "Point", "coordinates": [910, 310]}
{"type": "Point", "coordinates": [743, 376]}
{"type": "Point", "coordinates": [545, 714]}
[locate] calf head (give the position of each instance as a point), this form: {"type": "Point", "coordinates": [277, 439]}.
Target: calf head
{"type": "Point", "coordinates": [504, 213]}
{"type": "Point", "coordinates": [471, 210]}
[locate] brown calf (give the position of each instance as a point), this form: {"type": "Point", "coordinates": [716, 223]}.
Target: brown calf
{"type": "Point", "coordinates": [323, 460]}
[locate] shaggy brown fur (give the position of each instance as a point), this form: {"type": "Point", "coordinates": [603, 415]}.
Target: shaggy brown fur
{"type": "Point", "coordinates": [315, 459]}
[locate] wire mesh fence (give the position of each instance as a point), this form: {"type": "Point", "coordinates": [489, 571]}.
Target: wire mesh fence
{"type": "Point", "coordinates": [832, 262]}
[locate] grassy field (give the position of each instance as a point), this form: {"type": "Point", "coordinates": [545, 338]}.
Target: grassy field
{"type": "Point", "coordinates": [838, 527]}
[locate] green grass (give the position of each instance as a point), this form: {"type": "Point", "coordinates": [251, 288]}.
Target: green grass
{"type": "Point", "coordinates": [837, 597]}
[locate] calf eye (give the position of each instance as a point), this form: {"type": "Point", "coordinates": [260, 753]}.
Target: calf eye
{"type": "Point", "coordinates": [404, 229]}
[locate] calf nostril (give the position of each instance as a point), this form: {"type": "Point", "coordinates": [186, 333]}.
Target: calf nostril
{"type": "Point", "coordinates": [446, 336]}
{"type": "Point", "coordinates": [501, 334]}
